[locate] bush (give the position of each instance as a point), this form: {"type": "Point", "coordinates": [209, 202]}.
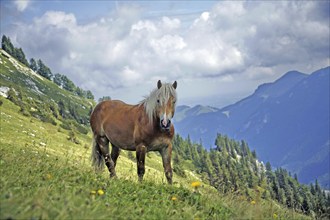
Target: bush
{"type": "Point", "coordinates": [72, 137]}
{"type": "Point", "coordinates": [44, 116]}
{"type": "Point", "coordinates": [131, 156]}
{"type": "Point", "coordinates": [73, 125]}
{"type": "Point", "coordinates": [66, 124]}
{"type": "Point", "coordinates": [24, 111]}
{"type": "Point", "coordinates": [12, 96]}
{"type": "Point", "coordinates": [179, 171]}
{"type": "Point", "coordinates": [82, 129]}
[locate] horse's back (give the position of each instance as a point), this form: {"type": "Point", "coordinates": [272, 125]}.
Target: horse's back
{"type": "Point", "coordinates": [112, 116]}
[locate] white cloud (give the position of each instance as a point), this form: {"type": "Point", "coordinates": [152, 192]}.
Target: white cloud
{"type": "Point", "coordinates": [252, 40]}
{"type": "Point", "coordinates": [21, 5]}
{"type": "Point", "coordinates": [167, 43]}
{"type": "Point", "coordinates": [56, 18]}
{"type": "Point", "coordinates": [205, 16]}
{"type": "Point", "coordinates": [171, 24]}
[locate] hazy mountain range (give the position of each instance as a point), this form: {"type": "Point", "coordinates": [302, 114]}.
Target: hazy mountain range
{"type": "Point", "coordinates": [286, 122]}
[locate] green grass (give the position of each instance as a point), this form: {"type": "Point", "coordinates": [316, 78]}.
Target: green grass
{"type": "Point", "coordinates": [46, 176]}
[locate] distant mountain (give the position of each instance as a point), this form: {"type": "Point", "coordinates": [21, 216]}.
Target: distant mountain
{"type": "Point", "coordinates": [286, 122]}
{"type": "Point", "coordinates": [184, 111]}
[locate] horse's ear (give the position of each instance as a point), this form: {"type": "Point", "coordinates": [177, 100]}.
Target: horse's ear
{"type": "Point", "coordinates": [175, 84]}
{"type": "Point", "coordinates": [159, 84]}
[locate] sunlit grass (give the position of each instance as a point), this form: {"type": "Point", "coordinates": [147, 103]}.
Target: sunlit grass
{"type": "Point", "coordinates": [46, 176]}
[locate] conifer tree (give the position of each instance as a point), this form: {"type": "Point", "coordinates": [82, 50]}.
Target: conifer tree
{"type": "Point", "coordinates": [6, 45]}
{"type": "Point", "coordinates": [177, 166]}
{"type": "Point", "coordinates": [33, 65]}
{"type": "Point", "coordinates": [89, 95]}
{"type": "Point", "coordinates": [58, 79]}
{"type": "Point", "coordinates": [20, 56]}
{"type": "Point", "coordinates": [44, 70]}
{"type": "Point", "coordinates": [68, 84]}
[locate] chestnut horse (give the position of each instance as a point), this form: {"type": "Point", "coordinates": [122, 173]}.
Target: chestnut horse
{"type": "Point", "coordinates": [143, 127]}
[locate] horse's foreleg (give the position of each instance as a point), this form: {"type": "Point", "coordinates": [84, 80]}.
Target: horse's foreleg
{"type": "Point", "coordinates": [166, 157]}
{"type": "Point", "coordinates": [115, 151]}
{"type": "Point", "coordinates": [140, 159]}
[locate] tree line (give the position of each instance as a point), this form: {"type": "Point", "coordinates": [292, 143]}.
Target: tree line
{"type": "Point", "coordinates": [231, 167]}
{"type": "Point", "coordinates": [43, 70]}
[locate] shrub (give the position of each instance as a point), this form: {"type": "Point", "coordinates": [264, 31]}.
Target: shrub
{"type": "Point", "coordinates": [82, 129]}
{"type": "Point", "coordinates": [66, 124]}
{"type": "Point", "coordinates": [72, 137]}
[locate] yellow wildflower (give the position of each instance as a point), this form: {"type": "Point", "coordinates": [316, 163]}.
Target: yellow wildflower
{"type": "Point", "coordinates": [100, 192]}
{"type": "Point", "coordinates": [275, 216]}
{"type": "Point", "coordinates": [93, 192]}
{"type": "Point", "coordinates": [173, 198]}
{"type": "Point", "coordinates": [196, 184]}
{"type": "Point", "coordinates": [253, 202]}
{"type": "Point", "coordinates": [48, 176]}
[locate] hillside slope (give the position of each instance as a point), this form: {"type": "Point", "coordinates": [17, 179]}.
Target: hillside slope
{"type": "Point", "coordinates": [286, 122]}
{"type": "Point", "coordinates": [40, 97]}
{"type": "Point", "coordinates": [46, 176]}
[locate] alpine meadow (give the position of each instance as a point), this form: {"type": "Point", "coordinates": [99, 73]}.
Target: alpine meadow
{"type": "Point", "coordinates": [46, 170]}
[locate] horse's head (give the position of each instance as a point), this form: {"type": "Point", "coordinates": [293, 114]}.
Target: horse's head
{"type": "Point", "coordinates": [165, 104]}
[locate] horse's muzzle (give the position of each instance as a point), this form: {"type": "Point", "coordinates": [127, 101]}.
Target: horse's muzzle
{"type": "Point", "coordinates": [165, 124]}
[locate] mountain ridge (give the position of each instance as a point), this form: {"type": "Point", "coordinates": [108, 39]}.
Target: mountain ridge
{"type": "Point", "coordinates": [281, 120]}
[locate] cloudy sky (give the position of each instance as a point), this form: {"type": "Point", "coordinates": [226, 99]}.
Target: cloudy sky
{"type": "Point", "coordinates": [218, 51]}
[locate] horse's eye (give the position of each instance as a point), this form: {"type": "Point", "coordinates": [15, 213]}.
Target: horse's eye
{"type": "Point", "coordinates": [158, 101]}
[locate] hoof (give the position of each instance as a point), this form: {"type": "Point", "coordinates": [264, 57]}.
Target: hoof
{"type": "Point", "coordinates": [113, 176]}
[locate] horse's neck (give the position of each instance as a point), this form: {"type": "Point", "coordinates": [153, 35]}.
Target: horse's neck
{"type": "Point", "coordinates": [144, 119]}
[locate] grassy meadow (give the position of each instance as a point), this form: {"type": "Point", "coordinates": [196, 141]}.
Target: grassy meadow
{"type": "Point", "coordinates": [44, 175]}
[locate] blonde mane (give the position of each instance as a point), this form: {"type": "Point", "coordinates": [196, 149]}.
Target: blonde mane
{"type": "Point", "coordinates": [162, 94]}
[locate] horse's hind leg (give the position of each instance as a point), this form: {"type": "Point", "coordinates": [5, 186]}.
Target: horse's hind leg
{"type": "Point", "coordinates": [115, 151]}
{"type": "Point", "coordinates": [104, 147]}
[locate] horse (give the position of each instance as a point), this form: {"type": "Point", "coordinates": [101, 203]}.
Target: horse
{"type": "Point", "coordinates": [142, 128]}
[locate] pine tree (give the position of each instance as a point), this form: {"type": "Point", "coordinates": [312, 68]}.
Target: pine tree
{"type": "Point", "coordinates": [43, 70]}
{"type": "Point", "coordinates": [177, 166]}
{"type": "Point", "coordinates": [62, 109]}
{"type": "Point", "coordinates": [6, 45]}
{"type": "Point", "coordinates": [307, 205]}
{"type": "Point", "coordinates": [317, 187]}
{"type": "Point", "coordinates": [80, 92]}
{"type": "Point", "coordinates": [18, 53]}
{"type": "Point", "coordinates": [67, 84]}
{"type": "Point", "coordinates": [20, 56]}
{"type": "Point", "coordinates": [33, 65]}
{"type": "Point", "coordinates": [58, 79]}
{"type": "Point", "coordinates": [89, 95]}
{"type": "Point", "coordinates": [244, 148]}
{"type": "Point", "coordinates": [295, 177]}
{"type": "Point", "coordinates": [268, 167]}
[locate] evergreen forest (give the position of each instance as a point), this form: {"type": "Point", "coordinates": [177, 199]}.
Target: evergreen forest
{"type": "Point", "coordinates": [232, 168]}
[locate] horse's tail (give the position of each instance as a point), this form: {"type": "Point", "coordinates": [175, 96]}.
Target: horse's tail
{"type": "Point", "coordinates": [96, 157]}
